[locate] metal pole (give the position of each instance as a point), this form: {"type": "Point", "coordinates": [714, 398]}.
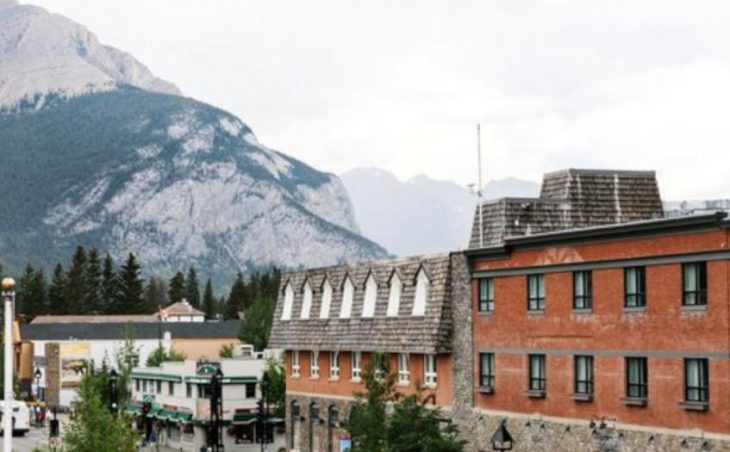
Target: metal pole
{"type": "Point", "coordinates": [9, 296]}
{"type": "Point", "coordinates": [479, 188]}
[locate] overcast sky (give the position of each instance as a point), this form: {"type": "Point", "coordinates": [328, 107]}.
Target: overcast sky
{"type": "Point", "coordinates": [400, 85]}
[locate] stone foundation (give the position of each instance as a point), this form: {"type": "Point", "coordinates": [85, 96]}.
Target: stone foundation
{"type": "Point", "coordinates": [323, 436]}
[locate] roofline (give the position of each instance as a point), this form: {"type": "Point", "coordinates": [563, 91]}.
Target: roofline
{"type": "Point", "coordinates": [515, 199]}
{"type": "Point", "coordinates": [371, 264]}
{"type": "Point", "coordinates": [601, 172]}
{"type": "Point", "coordinates": [634, 228]}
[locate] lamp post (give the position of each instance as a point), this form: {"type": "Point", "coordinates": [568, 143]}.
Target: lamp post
{"type": "Point", "coordinates": [264, 409]}
{"type": "Point", "coordinates": [216, 410]}
{"type": "Point", "coordinates": [502, 440]}
{"type": "Point", "coordinates": [8, 285]}
{"type": "Point", "coordinates": [113, 396]}
{"type": "Point", "coordinates": [37, 374]}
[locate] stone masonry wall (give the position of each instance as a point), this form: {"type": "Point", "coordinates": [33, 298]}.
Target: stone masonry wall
{"type": "Point", "coordinates": [320, 428]}
{"type": "Point", "coordinates": [53, 374]}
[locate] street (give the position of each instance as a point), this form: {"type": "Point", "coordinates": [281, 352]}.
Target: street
{"type": "Point", "coordinates": [35, 438]}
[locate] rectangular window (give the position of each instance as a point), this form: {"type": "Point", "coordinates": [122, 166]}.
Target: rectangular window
{"type": "Point", "coordinates": [170, 388]}
{"type": "Point", "coordinates": [250, 390]}
{"type": "Point", "coordinates": [356, 366]}
{"type": "Point", "coordinates": [537, 373]}
{"type": "Point", "coordinates": [694, 283]}
{"type": "Point", "coordinates": [536, 292]}
{"type": "Point", "coordinates": [295, 367]}
{"type": "Point", "coordinates": [203, 391]}
{"type": "Point", "coordinates": [582, 290]}
{"type": "Point", "coordinates": [137, 384]}
{"type": "Point", "coordinates": [188, 390]}
{"type": "Point", "coordinates": [379, 366]}
{"type": "Point", "coordinates": [159, 386]}
{"type": "Point", "coordinates": [636, 378]}
{"type": "Point", "coordinates": [486, 295]}
{"type": "Point", "coordinates": [583, 374]}
{"type": "Point", "coordinates": [634, 287]}
{"type": "Point", "coordinates": [696, 380]}
{"type": "Point", "coordinates": [335, 365]}
{"type": "Point", "coordinates": [430, 376]}
{"type": "Point", "coordinates": [486, 370]}
{"type": "Point", "coordinates": [314, 365]}
{"type": "Point", "coordinates": [404, 373]}
{"type": "Point", "coordinates": [144, 386]}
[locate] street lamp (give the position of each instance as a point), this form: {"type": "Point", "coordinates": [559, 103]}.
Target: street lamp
{"type": "Point", "coordinates": [216, 410]}
{"type": "Point", "coordinates": [114, 399]}
{"type": "Point", "coordinates": [502, 440]}
{"type": "Point", "coordinates": [8, 285]}
{"type": "Point", "coordinates": [264, 409]}
{"type": "Point", "coordinates": [37, 374]}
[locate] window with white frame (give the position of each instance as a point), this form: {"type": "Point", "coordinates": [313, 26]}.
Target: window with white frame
{"type": "Point", "coordinates": [356, 366]}
{"type": "Point", "coordinates": [404, 373]}
{"type": "Point", "coordinates": [288, 302]}
{"type": "Point", "coordinates": [314, 364]}
{"type": "Point", "coordinates": [396, 288]}
{"type": "Point", "coordinates": [295, 367]}
{"type": "Point", "coordinates": [306, 301]}
{"type": "Point", "coordinates": [335, 365]}
{"type": "Point", "coordinates": [371, 296]}
{"type": "Point", "coordinates": [347, 292]}
{"type": "Point", "coordinates": [324, 309]}
{"type": "Point", "coordinates": [419, 300]}
{"type": "Point", "coordinates": [429, 370]}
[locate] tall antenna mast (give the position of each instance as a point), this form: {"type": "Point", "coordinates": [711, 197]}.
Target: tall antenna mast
{"type": "Point", "coordinates": [479, 187]}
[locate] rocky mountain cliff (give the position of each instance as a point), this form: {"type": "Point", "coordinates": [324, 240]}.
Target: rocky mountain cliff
{"type": "Point", "coordinates": [96, 150]}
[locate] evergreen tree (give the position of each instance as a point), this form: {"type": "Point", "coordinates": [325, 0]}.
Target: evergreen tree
{"type": "Point", "coordinates": [93, 300]}
{"type": "Point", "coordinates": [209, 301]}
{"type": "Point", "coordinates": [256, 323]}
{"type": "Point", "coordinates": [176, 288]}
{"type": "Point", "coordinates": [131, 288]}
{"type": "Point", "coordinates": [192, 291]}
{"type": "Point", "coordinates": [109, 287]}
{"type": "Point", "coordinates": [57, 292]}
{"type": "Point", "coordinates": [31, 299]}
{"type": "Point", "coordinates": [236, 298]}
{"type": "Point", "coordinates": [155, 293]}
{"type": "Point", "coordinates": [76, 283]}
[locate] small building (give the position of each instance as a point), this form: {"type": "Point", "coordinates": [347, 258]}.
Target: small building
{"type": "Point", "coordinates": [182, 311]}
{"type": "Point", "coordinates": [179, 397]}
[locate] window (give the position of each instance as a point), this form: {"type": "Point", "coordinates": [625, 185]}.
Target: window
{"type": "Point", "coordinates": [288, 302]}
{"type": "Point", "coordinates": [634, 287]}
{"type": "Point", "coordinates": [486, 370]}
{"type": "Point", "coordinates": [250, 390]}
{"type": "Point", "coordinates": [636, 378]}
{"type": "Point", "coordinates": [486, 295]}
{"type": "Point", "coordinates": [396, 287]}
{"type": "Point", "coordinates": [694, 283]}
{"type": "Point", "coordinates": [537, 373]}
{"type": "Point", "coordinates": [188, 390]}
{"type": "Point", "coordinates": [335, 365]}
{"type": "Point", "coordinates": [371, 296]}
{"type": "Point", "coordinates": [379, 365]}
{"type": "Point", "coordinates": [536, 292]}
{"type": "Point", "coordinates": [170, 388]}
{"type": "Point", "coordinates": [356, 366]}
{"type": "Point", "coordinates": [306, 301]}
{"type": "Point", "coordinates": [429, 370]}
{"type": "Point", "coordinates": [203, 391]}
{"type": "Point", "coordinates": [582, 290]}
{"type": "Point", "coordinates": [419, 300]}
{"type": "Point", "coordinates": [324, 309]}
{"type": "Point", "coordinates": [144, 385]}
{"type": "Point", "coordinates": [295, 368]}
{"type": "Point", "coordinates": [696, 381]}
{"type": "Point", "coordinates": [159, 386]}
{"type": "Point", "coordinates": [137, 384]}
{"type": "Point", "coordinates": [584, 375]}
{"type": "Point", "coordinates": [347, 292]}
{"type": "Point", "coordinates": [314, 365]}
{"type": "Point", "coordinates": [404, 373]}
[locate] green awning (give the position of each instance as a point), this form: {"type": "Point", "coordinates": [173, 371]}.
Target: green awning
{"type": "Point", "coordinates": [183, 417]}
{"type": "Point", "coordinates": [244, 418]}
{"type": "Point", "coordinates": [153, 412]}
{"type": "Point", "coordinates": [165, 415]}
{"type": "Point", "coordinates": [133, 408]}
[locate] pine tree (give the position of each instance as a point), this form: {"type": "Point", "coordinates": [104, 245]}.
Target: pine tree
{"type": "Point", "coordinates": [236, 298]}
{"type": "Point", "coordinates": [93, 300]}
{"type": "Point", "coordinates": [57, 292]}
{"type": "Point", "coordinates": [109, 287]}
{"type": "Point", "coordinates": [76, 283]}
{"type": "Point", "coordinates": [24, 283]}
{"type": "Point", "coordinates": [155, 294]}
{"type": "Point", "coordinates": [176, 290]}
{"type": "Point", "coordinates": [192, 291]}
{"type": "Point", "coordinates": [32, 298]}
{"type": "Point", "coordinates": [131, 288]}
{"type": "Point", "coordinates": [209, 302]}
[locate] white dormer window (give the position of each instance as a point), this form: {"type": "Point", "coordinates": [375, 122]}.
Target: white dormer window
{"type": "Point", "coordinates": [371, 296]}
{"type": "Point", "coordinates": [347, 292]}
{"type": "Point", "coordinates": [419, 300]}
{"type": "Point", "coordinates": [306, 301]}
{"type": "Point", "coordinates": [394, 296]}
{"type": "Point", "coordinates": [288, 302]}
{"type": "Point", "coordinates": [324, 309]}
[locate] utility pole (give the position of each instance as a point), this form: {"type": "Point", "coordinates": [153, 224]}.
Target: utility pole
{"type": "Point", "coordinates": [9, 296]}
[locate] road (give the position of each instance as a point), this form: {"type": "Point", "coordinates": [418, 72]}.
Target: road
{"type": "Point", "coordinates": [36, 438]}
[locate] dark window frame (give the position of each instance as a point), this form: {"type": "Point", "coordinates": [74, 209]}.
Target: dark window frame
{"type": "Point", "coordinates": [637, 389]}
{"type": "Point", "coordinates": [699, 295]}
{"type": "Point", "coordinates": [170, 388]}
{"type": "Point", "coordinates": [635, 299]}
{"type": "Point", "coordinates": [584, 301]}
{"type": "Point", "coordinates": [702, 391]}
{"type": "Point", "coordinates": [583, 386]}
{"type": "Point", "coordinates": [537, 382]}
{"type": "Point", "coordinates": [486, 380]}
{"type": "Point", "coordinates": [250, 390]}
{"type": "Point", "coordinates": [536, 303]}
{"type": "Point", "coordinates": [486, 296]}
{"type": "Point", "coordinates": [189, 390]}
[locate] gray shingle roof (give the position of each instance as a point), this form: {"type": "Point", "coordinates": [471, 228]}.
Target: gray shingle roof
{"type": "Point", "coordinates": [407, 333]}
{"type": "Point", "coordinates": [85, 331]}
{"type": "Point", "coordinates": [571, 199]}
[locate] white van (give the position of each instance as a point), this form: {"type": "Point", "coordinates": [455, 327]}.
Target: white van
{"type": "Point", "coordinates": [21, 417]}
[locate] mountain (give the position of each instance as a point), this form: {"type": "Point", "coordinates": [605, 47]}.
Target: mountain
{"type": "Point", "coordinates": [97, 151]}
{"type": "Point", "coordinates": [420, 215]}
